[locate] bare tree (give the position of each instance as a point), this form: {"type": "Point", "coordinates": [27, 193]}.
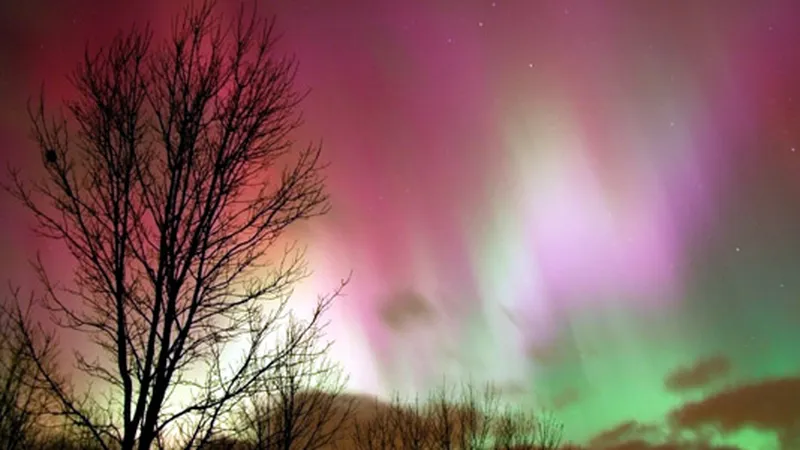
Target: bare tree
{"type": "Point", "coordinates": [378, 432]}
{"type": "Point", "coordinates": [507, 432]}
{"type": "Point", "coordinates": [65, 437]}
{"type": "Point", "coordinates": [170, 198]}
{"type": "Point", "coordinates": [549, 432]}
{"type": "Point", "coordinates": [469, 421]}
{"type": "Point", "coordinates": [442, 416]}
{"type": "Point", "coordinates": [476, 414]}
{"type": "Point", "coordinates": [224, 443]}
{"type": "Point", "coordinates": [409, 423]}
{"type": "Point", "coordinates": [302, 406]}
{"type": "Point", "coordinates": [518, 429]}
{"type": "Point", "coordinates": [21, 396]}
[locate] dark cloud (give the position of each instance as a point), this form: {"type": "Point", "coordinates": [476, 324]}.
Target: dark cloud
{"type": "Point", "coordinates": [633, 435]}
{"type": "Point", "coordinates": [405, 308]}
{"type": "Point", "coordinates": [638, 444]}
{"type": "Point", "coordinates": [771, 405]}
{"type": "Point", "coordinates": [702, 373]}
{"type": "Point", "coordinates": [624, 432]}
{"type": "Point", "coordinates": [560, 350]}
{"type": "Point", "coordinates": [767, 406]}
{"type": "Point", "coordinates": [565, 398]}
{"type": "Point", "coordinates": [544, 354]}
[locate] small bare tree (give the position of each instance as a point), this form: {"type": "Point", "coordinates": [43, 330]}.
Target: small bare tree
{"type": "Point", "coordinates": [301, 406]}
{"type": "Point", "coordinates": [170, 198]}
{"type": "Point", "coordinates": [469, 421]}
{"type": "Point", "coordinates": [442, 416]}
{"type": "Point", "coordinates": [409, 423]}
{"type": "Point", "coordinates": [549, 432]}
{"type": "Point", "coordinates": [518, 429]}
{"type": "Point", "coordinates": [378, 432]}
{"type": "Point", "coordinates": [477, 411]}
{"type": "Point", "coordinates": [22, 398]}
{"type": "Point", "coordinates": [507, 432]}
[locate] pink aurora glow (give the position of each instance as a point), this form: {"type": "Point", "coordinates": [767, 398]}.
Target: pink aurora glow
{"type": "Point", "coordinates": [496, 159]}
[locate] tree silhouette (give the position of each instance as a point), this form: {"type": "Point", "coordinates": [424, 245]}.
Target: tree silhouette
{"type": "Point", "coordinates": [409, 422]}
{"type": "Point", "coordinates": [380, 431]}
{"type": "Point", "coordinates": [477, 412]}
{"type": "Point", "coordinates": [171, 197]}
{"type": "Point", "coordinates": [516, 429]}
{"type": "Point", "coordinates": [301, 406]}
{"type": "Point", "coordinates": [21, 394]}
{"type": "Point", "coordinates": [470, 420]}
{"type": "Point", "coordinates": [442, 415]}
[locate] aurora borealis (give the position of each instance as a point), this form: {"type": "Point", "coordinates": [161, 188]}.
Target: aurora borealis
{"type": "Point", "coordinates": [593, 204]}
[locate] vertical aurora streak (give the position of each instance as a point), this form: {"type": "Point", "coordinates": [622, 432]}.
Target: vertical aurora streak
{"type": "Point", "coordinates": [572, 199]}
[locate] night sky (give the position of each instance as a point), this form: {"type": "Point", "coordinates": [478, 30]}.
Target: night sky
{"type": "Point", "coordinates": [595, 205]}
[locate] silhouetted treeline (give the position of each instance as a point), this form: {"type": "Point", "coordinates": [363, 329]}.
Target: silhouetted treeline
{"type": "Point", "coordinates": [302, 407]}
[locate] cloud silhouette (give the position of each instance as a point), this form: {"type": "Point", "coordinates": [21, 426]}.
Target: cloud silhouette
{"type": "Point", "coordinates": [769, 405]}
{"type": "Point", "coordinates": [624, 432]}
{"type": "Point", "coordinates": [544, 354]}
{"type": "Point", "coordinates": [638, 444]}
{"type": "Point", "coordinates": [634, 435]}
{"type": "Point", "coordinates": [405, 308]}
{"type": "Point", "coordinates": [565, 398]}
{"type": "Point", "coordinates": [702, 373]}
